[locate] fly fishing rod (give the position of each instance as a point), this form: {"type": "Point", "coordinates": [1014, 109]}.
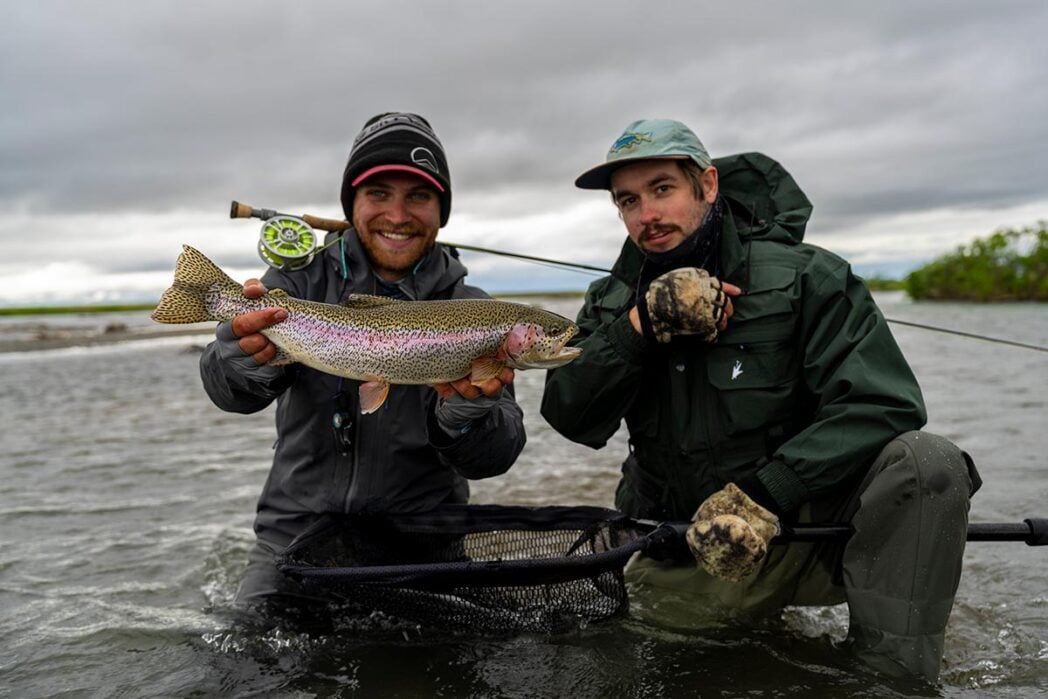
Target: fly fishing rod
{"type": "Point", "coordinates": [286, 243]}
{"type": "Point", "coordinates": [289, 242]}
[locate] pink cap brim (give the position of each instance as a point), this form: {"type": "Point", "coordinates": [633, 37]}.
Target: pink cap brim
{"type": "Point", "coordinates": [398, 168]}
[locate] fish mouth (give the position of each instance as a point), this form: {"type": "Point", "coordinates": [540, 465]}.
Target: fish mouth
{"type": "Point", "coordinates": [549, 362]}
{"type": "Point", "coordinates": [565, 355]}
{"type": "Point", "coordinates": [561, 355]}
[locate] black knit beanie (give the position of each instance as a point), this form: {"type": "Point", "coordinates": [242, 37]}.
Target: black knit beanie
{"type": "Point", "coordinates": [398, 139]}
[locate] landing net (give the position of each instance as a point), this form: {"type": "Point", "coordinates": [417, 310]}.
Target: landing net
{"type": "Point", "coordinates": [488, 568]}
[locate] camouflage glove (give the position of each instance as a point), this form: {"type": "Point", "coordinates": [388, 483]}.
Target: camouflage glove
{"type": "Point", "coordinates": [730, 534]}
{"type": "Point", "coordinates": [686, 301]}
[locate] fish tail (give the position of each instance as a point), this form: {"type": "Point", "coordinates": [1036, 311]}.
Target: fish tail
{"type": "Point", "coordinates": [185, 301]}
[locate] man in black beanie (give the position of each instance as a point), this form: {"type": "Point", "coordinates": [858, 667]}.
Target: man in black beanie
{"type": "Point", "coordinates": [418, 450]}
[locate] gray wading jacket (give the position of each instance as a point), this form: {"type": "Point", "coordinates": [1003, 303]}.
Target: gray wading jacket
{"type": "Point", "coordinates": [802, 390]}
{"type": "Point", "coordinates": [394, 460]}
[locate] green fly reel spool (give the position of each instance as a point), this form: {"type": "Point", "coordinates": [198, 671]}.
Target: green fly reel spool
{"type": "Point", "coordinates": [287, 243]}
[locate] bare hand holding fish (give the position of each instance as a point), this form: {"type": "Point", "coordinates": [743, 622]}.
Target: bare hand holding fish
{"type": "Point", "coordinates": [248, 326]}
{"type": "Point", "coordinates": [373, 339]}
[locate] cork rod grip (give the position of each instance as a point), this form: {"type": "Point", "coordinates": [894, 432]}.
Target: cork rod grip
{"type": "Point", "coordinates": [238, 210]}
{"type": "Point", "coordinates": [325, 224]}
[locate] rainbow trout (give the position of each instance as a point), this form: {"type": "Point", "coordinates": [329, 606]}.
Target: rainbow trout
{"type": "Point", "coordinates": [377, 340]}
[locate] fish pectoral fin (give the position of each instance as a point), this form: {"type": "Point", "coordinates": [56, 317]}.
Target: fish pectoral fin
{"type": "Point", "coordinates": [367, 301]}
{"type": "Point", "coordinates": [484, 369]}
{"type": "Point", "coordinates": [372, 395]}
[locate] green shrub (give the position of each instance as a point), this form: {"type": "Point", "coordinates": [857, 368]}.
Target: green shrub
{"type": "Point", "coordinates": [1010, 265]}
{"type": "Point", "coordinates": [878, 283]}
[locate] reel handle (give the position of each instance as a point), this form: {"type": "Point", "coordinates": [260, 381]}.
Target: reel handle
{"type": "Point", "coordinates": [238, 210]}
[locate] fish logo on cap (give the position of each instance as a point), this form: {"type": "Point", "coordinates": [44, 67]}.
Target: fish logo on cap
{"type": "Point", "coordinates": [630, 140]}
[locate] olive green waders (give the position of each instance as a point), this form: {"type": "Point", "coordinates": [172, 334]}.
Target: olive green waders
{"type": "Point", "coordinates": [898, 572]}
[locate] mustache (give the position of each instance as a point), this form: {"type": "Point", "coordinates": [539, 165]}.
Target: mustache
{"type": "Point", "coordinates": [410, 228]}
{"type": "Point", "coordinates": [649, 231]}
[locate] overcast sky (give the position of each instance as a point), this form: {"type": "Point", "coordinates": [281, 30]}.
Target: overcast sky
{"type": "Point", "coordinates": [127, 127]}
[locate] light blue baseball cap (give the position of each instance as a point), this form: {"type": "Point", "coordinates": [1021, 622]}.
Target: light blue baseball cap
{"type": "Point", "coordinates": [643, 140]}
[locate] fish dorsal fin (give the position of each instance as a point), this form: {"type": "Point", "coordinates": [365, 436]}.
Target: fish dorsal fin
{"type": "Point", "coordinates": [367, 301]}
{"type": "Point", "coordinates": [277, 292]}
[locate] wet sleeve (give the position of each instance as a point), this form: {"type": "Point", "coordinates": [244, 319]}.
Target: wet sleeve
{"type": "Point", "coordinates": [587, 399]}
{"type": "Point", "coordinates": [233, 380]}
{"type": "Point", "coordinates": [489, 446]}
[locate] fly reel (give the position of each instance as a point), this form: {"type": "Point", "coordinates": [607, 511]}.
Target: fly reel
{"type": "Point", "coordinates": [287, 243]}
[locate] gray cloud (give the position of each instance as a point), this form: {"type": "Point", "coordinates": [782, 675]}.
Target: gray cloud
{"type": "Point", "coordinates": [173, 106]}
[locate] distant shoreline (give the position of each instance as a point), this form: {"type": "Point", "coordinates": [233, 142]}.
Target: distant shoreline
{"type": "Point", "coordinates": [40, 335]}
{"type": "Point", "coordinates": [125, 308]}
{"type": "Point", "coordinates": [90, 337]}
{"type": "Point", "coordinates": [71, 310]}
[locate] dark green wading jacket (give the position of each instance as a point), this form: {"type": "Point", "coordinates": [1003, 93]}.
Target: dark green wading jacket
{"type": "Point", "coordinates": [803, 389]}
{"type": "Point", "coordinates": [398, 459]}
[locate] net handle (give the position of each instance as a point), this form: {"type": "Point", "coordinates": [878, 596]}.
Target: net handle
{"type": "Point", "coordinates": [659, 539]}
{"type": "Point", "coordinates": [1033, 531]}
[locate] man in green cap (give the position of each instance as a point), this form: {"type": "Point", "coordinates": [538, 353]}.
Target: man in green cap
{"type": "Point", "coordinates": [761, 386]}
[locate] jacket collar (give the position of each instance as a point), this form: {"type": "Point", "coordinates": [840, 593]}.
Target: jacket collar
{"type": "Point", "coordinates": [438, 272]}
{"type": "Point", "coordinates": [627, 267]}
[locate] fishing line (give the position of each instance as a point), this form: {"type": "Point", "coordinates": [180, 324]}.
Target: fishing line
{"type": "Point", "coordinates": [290, 242]}
{"type": "Point", "coordinates": [531, 258]}
{"type": "Point", "coordinates": [1013, 343]}
{"type": "Point", "coordinates": [554, 265]}
{"type": "Point", "coordinates": [591, 269]}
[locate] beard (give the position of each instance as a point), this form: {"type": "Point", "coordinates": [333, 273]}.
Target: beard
{"type": "Point", "coordinates": [391, 257]}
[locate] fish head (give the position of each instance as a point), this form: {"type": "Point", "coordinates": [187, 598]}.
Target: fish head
{"type": "Point", "coordinates": [541, 344]}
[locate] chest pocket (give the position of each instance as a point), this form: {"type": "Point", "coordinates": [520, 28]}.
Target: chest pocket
{"type": "Point", "coordinates": [755, 365]}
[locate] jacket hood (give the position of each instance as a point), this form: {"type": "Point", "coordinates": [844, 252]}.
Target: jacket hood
{"type": "Point", "coordinates": [765, 201]}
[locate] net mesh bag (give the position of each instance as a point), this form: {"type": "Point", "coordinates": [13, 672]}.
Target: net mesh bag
{"type": "Point", "coordinates": [489, 568]}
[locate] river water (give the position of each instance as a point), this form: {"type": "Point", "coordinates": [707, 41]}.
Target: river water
{"type": "Point", "coordinates": [126, 502]}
